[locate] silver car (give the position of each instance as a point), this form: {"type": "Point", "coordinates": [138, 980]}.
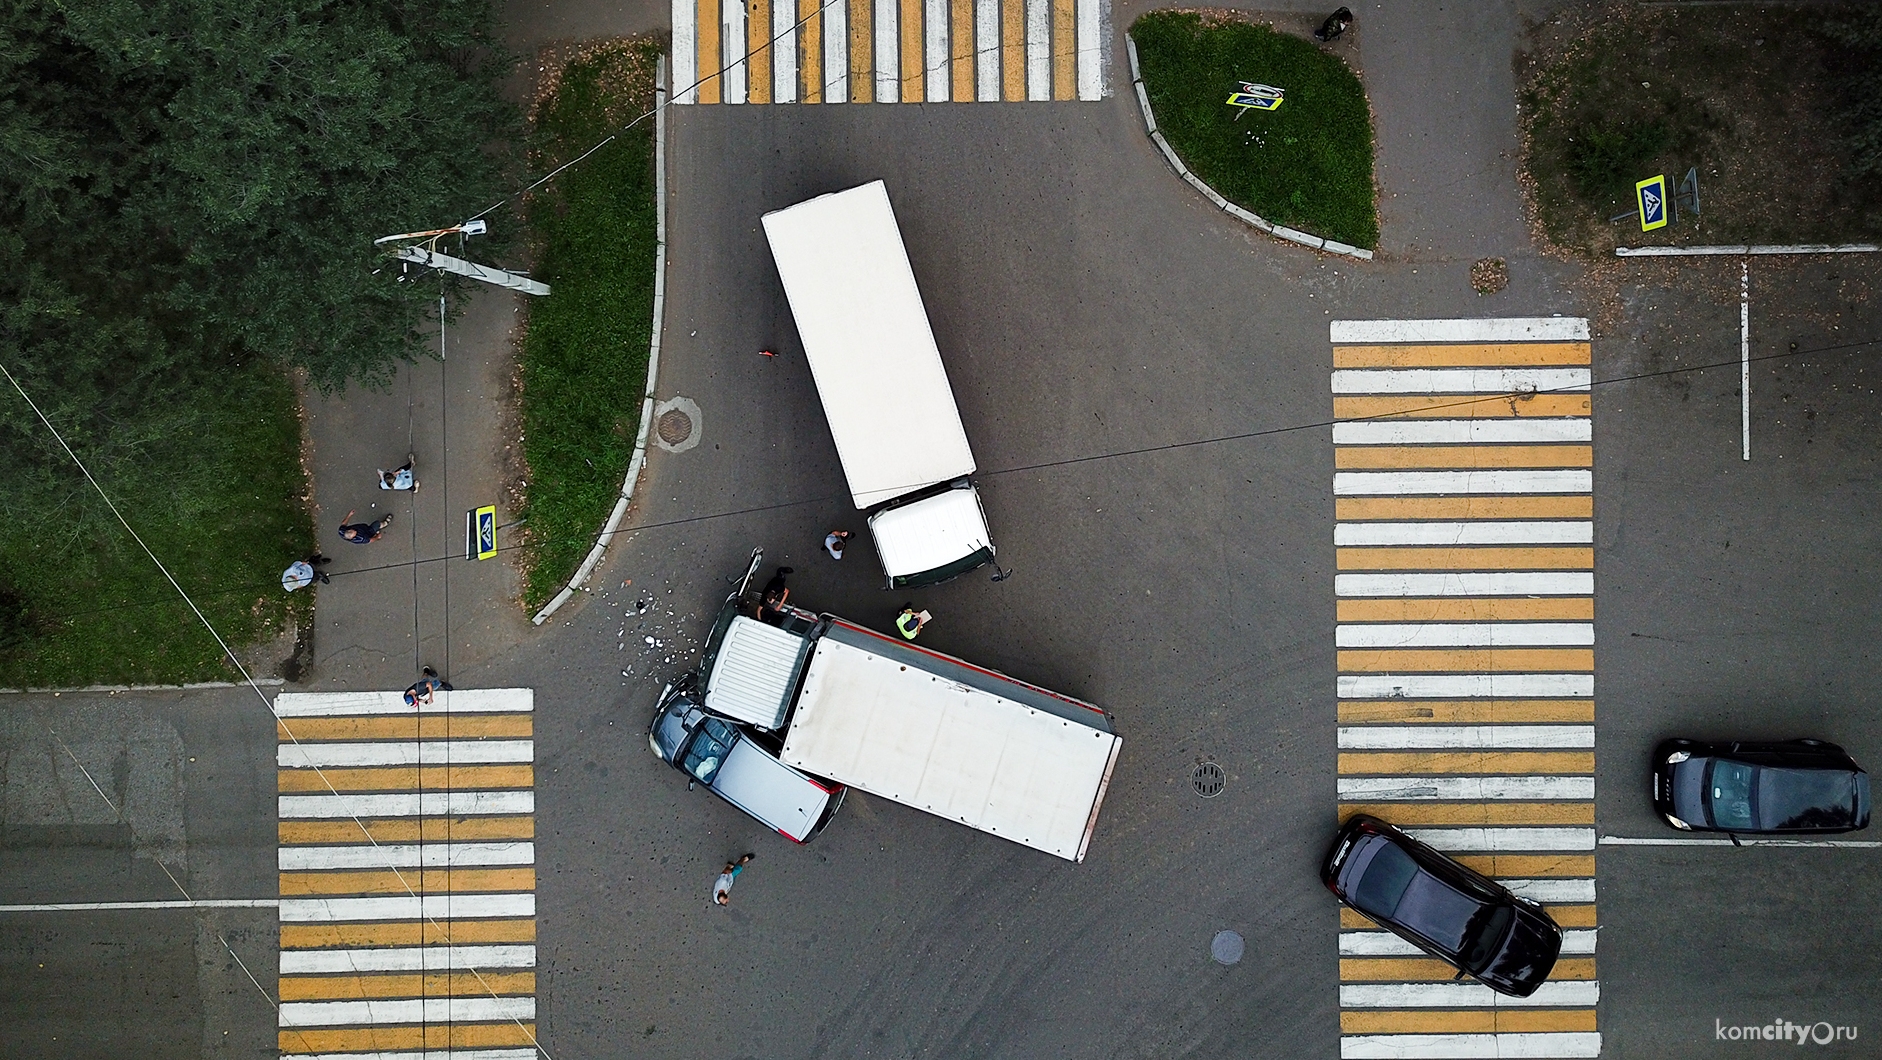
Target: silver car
{"type": "Point", "coordinates": [729, 759]}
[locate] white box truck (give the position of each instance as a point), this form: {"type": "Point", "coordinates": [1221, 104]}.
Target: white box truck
{"type": "Point", "coordinates": [885, 393]}
{"type": "Point", "coordinates": [912, 725]}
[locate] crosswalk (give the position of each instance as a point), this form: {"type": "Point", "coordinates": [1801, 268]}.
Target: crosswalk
{"type": "Point", "coordinates": [888, 51]}
{"type": "Point", "coordinates": [1463, 498]}
{"type": "Point", "coordinates": [407, 862]}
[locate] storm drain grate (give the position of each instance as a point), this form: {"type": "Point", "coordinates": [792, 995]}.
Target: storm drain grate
{"type": "Point", "coordinates": [1208, 780]}
{"type": "Point", "coordinates": [675, 427]}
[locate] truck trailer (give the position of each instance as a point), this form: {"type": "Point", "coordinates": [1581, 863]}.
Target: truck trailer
{"type": "Point", "coordinates": [878, 372]}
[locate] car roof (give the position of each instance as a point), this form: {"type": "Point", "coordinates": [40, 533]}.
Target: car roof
{"type": "Point", "coordinates": [774, 793]}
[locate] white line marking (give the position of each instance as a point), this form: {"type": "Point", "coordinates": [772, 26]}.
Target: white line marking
{"type": "Point", "coordinates": [112, 907]}
{"type": "Point", "coordinates": [1553, 892]}
{"type": "Point", "coordinates": [1464, 533]}
{"type": "Point", "coordinates": [1496, 329]}
{"type": "Point", "coordinates": [405, 959]}
{"type": "Point", "coordinates": [1464, 789]}
{"type": "Point", "coordinates": [1459, 380]}
{"type": "Point", "coordinates": [1385, 944]}
{"type": "Point", "coordinates": [1741, 250]}
{"type": "Point", "coordinates": [1462, 432]}
{"type": "Point", "coordinates": [987, 51]}
{"type": "Point", "coordinates": [1526, 1045]}
{"type": "Point", "coordinates": [412, 1010]}
{"type": "Point", "coordinates": [351, 704]}
{"type": "Point", "coordinates": [935, 59]}
{"type": "Point", "coordinates": [1464, 736]}
{"type": "Point", "coordinates": [734, 83]}
{"type": "Point", "coordinates": [1744, 353]}
{"type": "Point", "coordinates": [1561, 993]}
{"type": "Point", "coordinates": [405, 856]}
{"type": "Point", "coordinates": [783, 51]}
{"type": "Point", "coordinates": [1090, 50]}
{"type": "Point", "coordinates": [1038, 49]}
{"type": "Point", "coordinates": [836, 52]}
{"type": "Point", "coordinates": [405, 907]}
{"type": "Point", "coordinates": [1466, 686]}
{"type": "Point", "coordinates": [888, 51]}
{"type": "Point", "coordinates": [685, 65]}
{"type": "Point", "coordinates": [1464, 635]}
{"type": "Point", "coordinates": [1398, 483]}
{"type": "Point", "coordinates": [428, 752]}
{"type": "Point", "coordinates": [434, 1054]}
{"type": "Point", "coordinates": [1504, 840]}
{"type": "Point", "coordinates": [1467, 583]}
{"type": "Point", "coordinates": [411, 804]}
{"type": "Point", "coordinates": [1750, 841]}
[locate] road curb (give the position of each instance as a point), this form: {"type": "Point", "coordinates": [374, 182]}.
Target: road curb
{"type": "Point", "coordinates": [191, 687]}
{"type": "Point", "coordinates": [1169, 155]}
{"type": "Point", "coordinates": [1746, 250]}
{"type": "Point", "coordinates": [626, 498]}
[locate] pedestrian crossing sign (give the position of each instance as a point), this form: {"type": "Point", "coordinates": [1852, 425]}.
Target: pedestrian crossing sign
{"type": "Point", "coordinates": [1257, 97]}
{"type": "Point", "coordinates": [480, 533]}
{"type": "Point", "coordinates": [1650, 196]}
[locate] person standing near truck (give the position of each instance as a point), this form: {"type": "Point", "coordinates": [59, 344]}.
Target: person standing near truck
{"type": "Point", "coordinates": [910, 621]}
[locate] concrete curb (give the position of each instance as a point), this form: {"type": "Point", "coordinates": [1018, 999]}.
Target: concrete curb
{"type": "Point", "coordinates": [1169, 155]}
{"type": "Point", "coordinates": [272, 682]}
{"type": "Point", "coordinates": [613, 524]}
{"type": "Point", "coordinates": [1789, 248]}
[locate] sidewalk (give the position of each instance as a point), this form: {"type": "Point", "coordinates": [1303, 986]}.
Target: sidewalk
{"type": "Point", "coordinates": [384, 616]}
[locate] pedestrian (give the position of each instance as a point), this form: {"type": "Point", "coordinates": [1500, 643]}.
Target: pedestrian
{"type": "Point", "coordinates": [775, 593]}
{"type": "Point", "coordinates": [422, 689]}
{"type": "Point", "coordinates": [834, 541]}
{"type": "Point", "coordinates": [399, 478]}
{"type": "Point", "coordinates": [304, 572]}
{"type": "Point", "coordinates": [1335, 25]}
{"type": "Point", "coordinates": [910, 621]}
{"type": "Point", "coordinates": [364, 533]}
{"type": "Point", "coordinates": [722, 888]}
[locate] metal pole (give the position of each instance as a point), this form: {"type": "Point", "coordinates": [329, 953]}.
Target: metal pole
{"type": "Point", "coordinates": [435, 260]}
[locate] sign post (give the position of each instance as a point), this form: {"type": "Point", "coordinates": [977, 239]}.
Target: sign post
{"type": "Point", "coordinates": [1257, 97]}
{"type": "Point", "coordinates": [1650, 197]}
{"type": "Point", "coordinates": [480, 533]}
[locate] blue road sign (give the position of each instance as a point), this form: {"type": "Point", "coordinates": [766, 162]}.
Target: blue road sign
{"type": "Point", "coordinates": [480, 533]}
{"type": "Point", "coordinates": [1650, 196]}
{"type": "Point", "coordinates": [1257, 97]}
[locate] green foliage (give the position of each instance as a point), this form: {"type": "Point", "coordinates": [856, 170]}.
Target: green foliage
{"type": "Point", "coordinates": [1307, 165]}
{"type": "Point", "coordinates": [1608, 154]}
{"type": "Point", "coordinates": [584, 362]}
{"type": "Point", "coordinates": [1855, 37]}
{"type": "Point", "coordinates": [189, 190]}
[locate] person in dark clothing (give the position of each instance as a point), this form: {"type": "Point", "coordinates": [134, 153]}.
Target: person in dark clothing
{"type": "Point", "coordinates": [775, 593]}
{"type": "Point", "coordinates": [364, 533]}
{"type": "Point", "coordinates": [427, 683]}
{"type": "Point", "coordinates": [1335, 25]}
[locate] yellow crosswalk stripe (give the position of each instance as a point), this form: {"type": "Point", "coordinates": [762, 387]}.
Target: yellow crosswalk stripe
{"type": "Point", "coordinates": [1469, 1021]}
{"type": "Point", "coordinates": [406, 830]}
{"type": "Point", "coordinates": [810, 51]}
{"type": "Point", "coordinates": [1357, 509]}
{"type": "Point", "coordinates": [1460, 406]}
{"type": "Point", "coordinates": [410, 727]}
{"type": "Point", "coordinates": [1430, 969]}
{"type": "Point", "coordinates": [862, 15]}
{"type": "Point", "coordinates": [1482, 557]}
{"type": "Point", "coordinates": [713, 87]}
{"type": "Point", "coordinates": [1462, 456]}
{"type": "Point", "coordinates": [404, 933]}
{"type": "Point", "coordinates": [1524, 866]}
{"type": "Point", "coordinates": [1566, 915]}
{"type": "Point", "coordinates": [757, 32]}
{"type": "Point", "coordinates": [1464, 609]}
{"type": "Point", "coordinates": [1465, 711]}
{"type": "Point", "coordinates": [422, 881]}
{"type": "Point", "coordinates": [1013, 50]}
{"type": "Point", "coordinates": [961, 51]}
{"type": "Point", "coordinates": [407, 778]}
{"type": "Point", "coordinates": [1398, 763]}
{"type": "Point", "coordinates": [1466, 660]}
{"type": "Point", "coordinates": [913, 81]}
{"type": "Point", "coordinates": [1411, 814]}
{"type": "Point", "coordinates": [1064, 50]}
{"type": "Point", "coordinates": [1463, 355]}
{"type": "Point", "coordinates": [443, 984]}
{"type": "Point", "coordinates": [434, 1036]}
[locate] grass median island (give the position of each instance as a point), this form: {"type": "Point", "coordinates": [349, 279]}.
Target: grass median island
{"type": "Point", "coordinates": [1307, 165]}
{"type": "Point", "coordinates": [584, 358]}
{"type": "Point", "coordinates": [1779, 109]}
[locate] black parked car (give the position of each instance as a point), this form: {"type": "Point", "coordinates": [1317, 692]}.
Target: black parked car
{"type": "Point", "coordinates": [1455, 914]}
{"type": "Point", "coordinates": [1790, 788]}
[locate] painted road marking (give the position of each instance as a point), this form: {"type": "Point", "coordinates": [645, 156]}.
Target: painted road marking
{"type": "Point", "coordinates": [108, 907]}
{"type": "Point", "coordinates": [1749, 841]}
{"type": "Point", "coordinates": [1463, 499]}
{"type": "Point", "coordinates": [887, 51]}
{"type": "Point", "coordinates": [407, 908]}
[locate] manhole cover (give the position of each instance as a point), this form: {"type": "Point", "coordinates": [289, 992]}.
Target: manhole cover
{"type": "Point", "coordinates": [1226, 947]}
{"type": "Point", "coordinates": [1209, 780]}
{"type": "Point", "coordinates": [675, 427]}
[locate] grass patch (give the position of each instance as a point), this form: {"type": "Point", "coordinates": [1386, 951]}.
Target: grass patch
{"type": "Point", "coordinates": [1757, 99]}
{"type": "Point", "coordinates": [221, 503]}
{"type": "Point", "coordinates": [1307, 165]}
{"type": "Point", "coordinates": [584, 359]}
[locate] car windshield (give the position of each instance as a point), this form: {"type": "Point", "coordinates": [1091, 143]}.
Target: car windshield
{"type": "Point", "coordinates": [1395, 888]}
{"type": "Point", "coordinates": [709, 748]}
{"type": "Point", "coordinates": [1729, 795]}
{"type": "Point", "coordinates": [1486, 936]}
{"type": "Point", "coordinates": [1794, 799]}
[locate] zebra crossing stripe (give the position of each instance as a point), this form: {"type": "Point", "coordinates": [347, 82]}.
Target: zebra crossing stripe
{"type": "Point", "coordinates": [405, 959]}
{"type": "Point", "coordinates": [1459, 736]}
{"type": "Point", "coordinates": [1440, 1046]}
{"type": "Point", "coordinates": [1465, 331]}
{"type": "Point", "coordinates": [1462, 432]}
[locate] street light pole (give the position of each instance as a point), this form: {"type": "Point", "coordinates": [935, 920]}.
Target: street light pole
{"type": "Point", "coordinates": [425, 255]}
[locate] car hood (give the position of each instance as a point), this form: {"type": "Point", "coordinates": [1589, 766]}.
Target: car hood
{"type": "Point", "coordinates": [1527, 955]}
{"type": "Point", "coordinates": [1687, 790]}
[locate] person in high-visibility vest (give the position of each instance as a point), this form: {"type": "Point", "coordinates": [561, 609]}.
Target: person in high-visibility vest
{"type": "Point", "coordinates": [910, 621]}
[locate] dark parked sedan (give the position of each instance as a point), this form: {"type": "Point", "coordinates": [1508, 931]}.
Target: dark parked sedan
{"type": "Point", "coordinates": [1472, 923]}
{"type": "Point", "coordinates": [1791, 788]}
